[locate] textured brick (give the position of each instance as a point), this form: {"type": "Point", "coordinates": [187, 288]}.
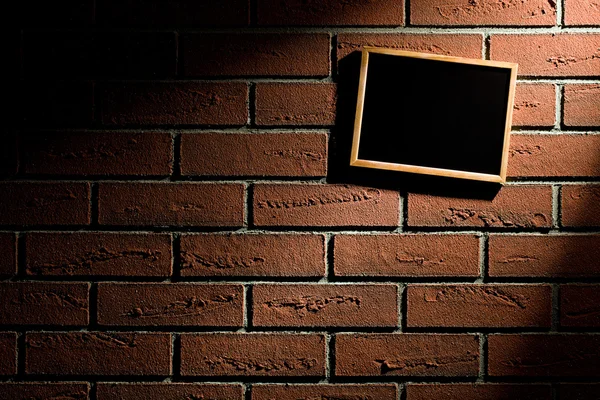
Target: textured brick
{"type": "Point", "coordinates": [256, 154]}
{"type": "Point", "coordinates": [64, 104]}
{"type": "Point", "coordinates": [66, 13]}
{"type": "Point", "coordinates": [325, 305]}
{"type": "Point", "coordinates": [181, 204]}
{"type": "Point", "coordinates": [44, 203]}
{"type": "Point", "coordinates": [253, 255]}
{"type": "Point", "coordinates": [580, 205]}
{"type": "Point", "coordinates": [45, 391]}
{"type": "Point", "coordinates": [455, 45]}
{"type": "Point", "coordinates": [169, 391]}
{"type": "Point", "coordinates": [406, 355]}
{"type": "Point", "coordinates": [98, 353]}
{"type": "Point", "coordinates": [535, 105]}
{"type": "Point", "coordinates": [582, 104]}
{"type": "Point", "coordinates": [174, 103]}
{"type": "Point", "coordinates": [544, 256]}
{"type": "Point", "coordinates": [406, 255]}
{"type": "Point", "coordinates": [578, 391]}
{"type": "Point", "coordinates": [258, 54]}
{"type": "Point", "coordinates": [324, 392]}
{"type": "Point", "coordinates": [477, 391]}
{"type": "Point", "coordinates": [99, 54]}
{"type": "Point", "coordinates": [169, 304]}
{"type": "Point", "coordinates": [324, 205]}
{"type": "Point", "coordinates": [8, 353]}
{"type": "Point", "coordinates": [549, 55]}
{"type": "Point", "coordinates": [36, 303]}
{"type": "Point", "coordinates": [513, 207]}
{"type": "Point", "coordinates": [241, 354]}
{"type": "Point", "coordinates": [486, 306]}
{"type": "Point", "coordinates": [8, 254]}
{"type": "Point", "coordinates": [295, 104]}
{"type": "Point", "coordinates": [579, 305]}
{"type": "Point", "coordinates": [89, 254]}
{"type": "Point", "coordinates": [466, 13]}
{"type": "Point", "coordinates": [544, 355]}
{"type": "Point", "coordinates": [582, 12]}
{"type": "Point", "coordinates": [174, 12]}
{"type": "Point", "coordinates": [554, 156]}
{"type": "Point", "coordinates": [335, 12]}
{"type": "Point", "coordinates": [98, 153]}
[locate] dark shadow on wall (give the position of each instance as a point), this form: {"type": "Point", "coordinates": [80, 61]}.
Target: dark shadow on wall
{"type": "Point", "coordinates": [340, 171]}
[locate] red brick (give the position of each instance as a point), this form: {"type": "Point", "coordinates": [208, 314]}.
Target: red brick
{"type": "Point", "coordinates": [254, 154]}
{"type": "Point", "coordinates": [243, 355]}
{"type": "Point", "coordinates": [324, 205]}
{"type": "Point", "coordinates": [456, 45]}
{"type": "Point", "coordinates": [406, 355]}
{"type": "Point", "coordinates": [36, 303]}
{"type": "Point", "coordinates": [479, 306]}
{"type": "Point", "coordinates": [581, 205]}
{"type": "Point", "coordinates": [45, 390]}
{"type": "Point", "coordinates": [99, 54]}
{"type": "Point", "coordinates": [44, 203]}
{"type": "Point", "coordinates": [578, 391]}
{"type": "Point", "coordinates": [172, 13]}
{"type": "Point", "coordinates": [181, 204]}
{"type": "Point", "coordinates": [579, 305]}
{"type": "Point", "coordinates": [406, 255]}
{"type": "Point", "coordinates": [544, 355]}
{"type": "Point", "coordinates": [253, 255]}
{"type": "Point", "coordinates": [98, 153]}
{"type": "Point", "coordinates": [325, 305]}
{"type": "Point", "coordinates": [170, 304]}
{"type": "Point", "coordinates": [64, 104]}
{"type": "Point", "coordinates": [8, 353]}
{"type": "Point", "coordinates": [174, 103]}
{"type": "Point", "coordinates": [168, 391]}
{"type": "Point", "coordinates": [98, 353]}
{"type": "Point", "coordinates": [8, 254]}
{"type": "Point", "coordinates": [255, 54]}
{"type": "Point", "coordinates": [465, 13]}
{"type": "Point", "coordinates": [549, 55]}
{"type": "Point", "coordinates": [513, 207]}
{"type": "Point", "coordinates": [66, 13]}
{"type": "Point", "coordinates": [295, 104]}
{"type": "Point", "coordinates": [90, 254]}
{"type": "Point", "coordinates": [554, 156]}
{"type": "Point", "coordinates": [335, 12]}
{"type": "Point", "coordinates": [582, 104]}
{"type": "Point", "coordinates": [535, 105]}
{"type": "Point", "coordinates": [544, 256]}
{"type": "Point", "coordinates": [582, 12]}
{"type": "Point", "coordinates": [323, 392]}
{"type": "Point", "coordinates": [477, 391]}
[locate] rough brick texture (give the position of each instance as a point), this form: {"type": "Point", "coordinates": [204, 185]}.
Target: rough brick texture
{"type": "Point", "coordinates": [534, 105]}
{"type": "Point", "coordinates": [8, 250]}
{"type": "Point", "coordinates": [582, 105]}
{"type": "Point", "coordinates": [168, 391]}
{"type": "Point", "coordinates": [27, 391]}
{"type": "Point", "coordinates": [580, 205]}
{"type": "Point", "coordinates": [470, 391]}
{"type": "Point", "coordinates": [582, 12]}
{"type": "Point", "coordinates": [579, 305]}
{"type": "Point", "coordinates": [285, 154]}
{"type": "Point", "coordinates": [8, 353]}
{"type": "Point", "coordinates": [294, 392]}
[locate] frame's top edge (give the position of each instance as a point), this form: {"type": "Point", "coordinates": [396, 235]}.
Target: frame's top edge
{"type": "Point", "coordinates": [441, 57]}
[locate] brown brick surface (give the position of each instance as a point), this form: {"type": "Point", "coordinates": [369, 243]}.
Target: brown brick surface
{"type": "Point", "coordinates": [581, 12]}
{"type": "Point", "coordinates": [8, 353]}
{"type": "Point", "coordinates": [406, 255]}
{"type": "Point", "coordinates": [470, 391]}
{"type": "Point", "coordinates": [295, 392]}
{"type": "Point", "coordinates": [544, 256]}
{"type": "Point", "coordinates": [169, 391]}
{"type": "Point", "coordinates": [8, 254]}
{"type": "Point", "coordinates": [272, 255]}
{"type": "Point", "coordinates": [325, 305]}
{"type": "Point", "coordinates": [98, 353]}
{"type": "Point", "coordinates": [580, 205]}
{"type": "Point", "coordinates": [534, 105]}
{"type": "Point", "coordinates": [46, 391]}
{"type": "Point", "coordinates": [582, 105]}
{"type": "Point", "coordinates": [185, 204]}
{"type": "Point", "coordinates": [524, 207]}
{"type": "Point", "coordinates": [579, 306]}
{"type": "Point", "coordinates": [241, 354]}
{"type": "Point", "coordinates": [256, 154]}
{"type": "Point", "coordinates": [324, 205]}
{"type": "Point", "coordinates": [169, 304]}
{"type": "Point", "coordinates": [293, 104]}
{"type": "Point", "coordinates": [384, 355]}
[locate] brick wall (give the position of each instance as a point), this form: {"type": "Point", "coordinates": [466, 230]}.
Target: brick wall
{"type": "Point", "coordinates": [171, 229]}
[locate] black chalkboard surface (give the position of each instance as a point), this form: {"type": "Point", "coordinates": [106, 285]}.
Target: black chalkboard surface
{"type": "Point", "coordinates": [432, 114]}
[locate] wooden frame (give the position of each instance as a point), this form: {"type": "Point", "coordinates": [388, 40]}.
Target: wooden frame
{"type": "Point", "coordinates": [355, 161]}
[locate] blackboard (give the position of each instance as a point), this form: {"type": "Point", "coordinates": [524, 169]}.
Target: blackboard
{"type": "Point", "coordinates": [433, 114]}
